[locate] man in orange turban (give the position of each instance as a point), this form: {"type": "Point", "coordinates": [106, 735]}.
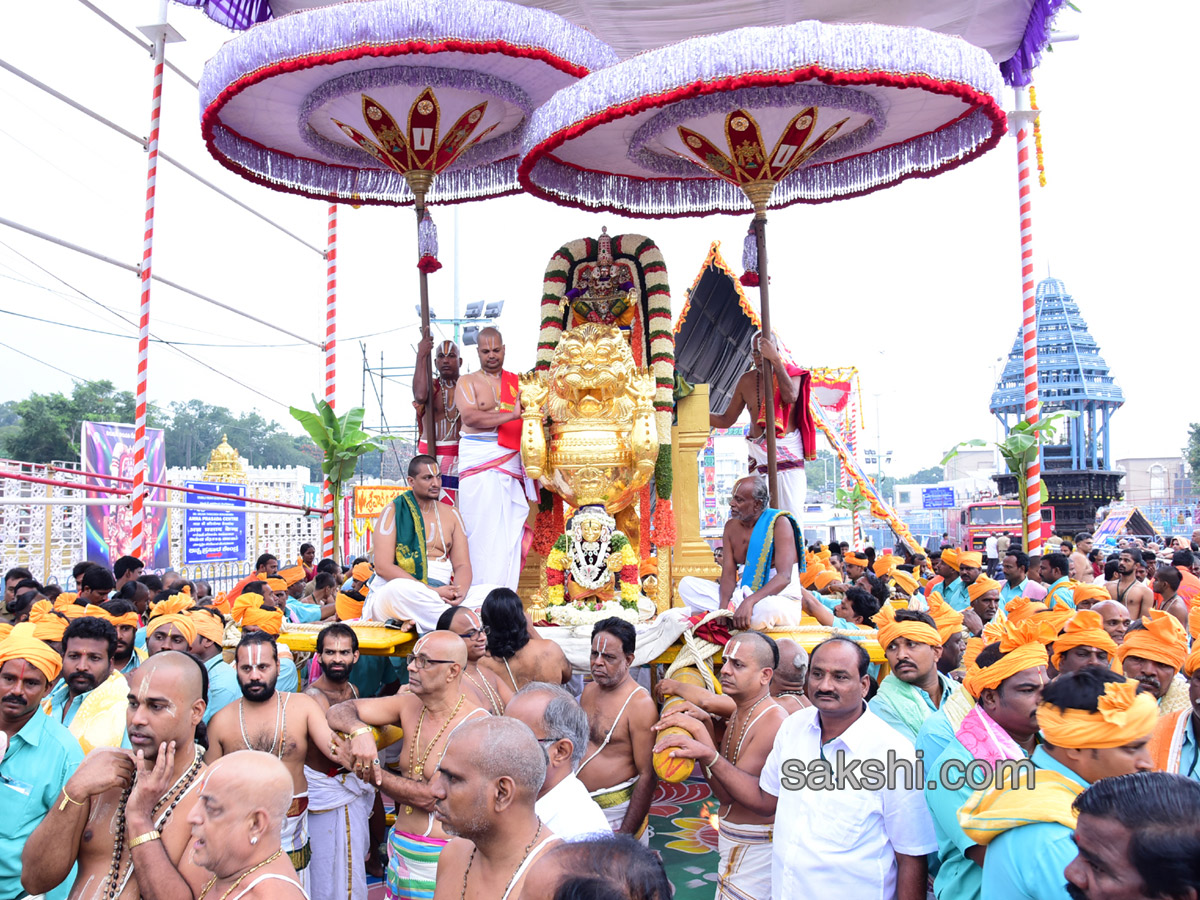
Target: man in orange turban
{"type": "Point", "coordinates": [949, 624]}
{"type": "Point", "coordinates": [252, 614]}
{"type": "Point", "coordinates": [1153, 652]}
{"type": "Point", "coordinates": [210, 640]}
{"type": "Point", "coordinates": [951, 587]}
{"type": "Point", "coordinates": [170, 627]}
{"type": "Point", "coordinates": [914, 689]}
{"type": "Point", "coordinates": [1094, 725]}
{"type": "Point", "coordinates": [1083, 642]}
{"type": "Point", "coordinates": [983, 595]}
{"type": "Point", "coordinates": [1175, 746]}
{"type": "Point", "coordinates": [970, 567]}
{"type": "Point", "coordinates": [48, 624]}
{"type": "Point", "coordinates": [856, 564]}
{"type": "Point", "coordinates": [42, 754]}
{"type": "Point", "coordinates": [1088, 595]}
{"type": "Point", "coordinates": [123, 617]}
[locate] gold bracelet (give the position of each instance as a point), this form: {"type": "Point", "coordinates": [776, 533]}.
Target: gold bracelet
{"type": "Point", "coordinates": [144, 839]}
{"type": "Point", "coordinates": [357, 731]}
{"type": "Point", "coordinates": [67, 799]}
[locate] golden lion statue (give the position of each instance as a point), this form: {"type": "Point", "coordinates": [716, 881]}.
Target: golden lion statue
{"type": "Point", "coordinates": [603, 444]}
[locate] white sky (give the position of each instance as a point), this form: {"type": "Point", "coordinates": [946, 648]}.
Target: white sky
{"type": "Point", "coordinates": [917, 285]}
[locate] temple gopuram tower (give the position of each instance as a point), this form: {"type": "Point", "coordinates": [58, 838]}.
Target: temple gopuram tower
{"type": "Point", "coordinates": [225, 464]}
{"type": "Point", "coordinates": [1072, 375]}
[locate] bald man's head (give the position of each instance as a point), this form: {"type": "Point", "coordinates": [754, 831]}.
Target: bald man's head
{"type": "Point", "coordinates": [758, 648]}
{"type": "Point", "coordinates": [244, 798]}
{"type": "Point", "coordinates": [793, 665]}
{"type": "Point", "coordinates": [168, 694]}
{"type": "Point", "coordinates": [490, 331]}
{"type": "Point", "coordinates": [1115, 617]}
{"type": "Point", "coordinates": [437, 663]}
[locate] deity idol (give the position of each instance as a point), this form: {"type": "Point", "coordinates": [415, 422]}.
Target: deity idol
{"type": "Point", "coordinates": [593, 562]}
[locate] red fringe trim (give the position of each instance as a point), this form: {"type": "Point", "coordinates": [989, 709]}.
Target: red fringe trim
{"type": "Point", "coordinates": [428, 264]}
{"type": "Point", "coordinates": [749, 279]}
{"type": "Point", "coordinates": [547, 527]}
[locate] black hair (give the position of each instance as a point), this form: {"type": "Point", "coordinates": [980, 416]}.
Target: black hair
{"type": "Point", "coordinates": [421, 459]}
{"type": "Point", "coordinates": [151, 581]}
{"type": "Point", "coordinates": [256, 637]}
{"type": "Point", "coordinates": [307, 546]}
{"type": "Point", "coordinates": [262, 561]}
{"type": "Point", "coordinates": [1149, 557]}
{"type": "Point", "coordinates": [79, 568]}
{"type": "Point", "coordinates": [1021, 557]}
{"type": "Point", "coordinates": [879, 588]}
{"type": "Point", "coordinates": [989, 655]}
{"type": "Point", "coordinates": [588, 887]}
{"type": "Point", "coordinates": [357, 560]}
{"type": "Point", "coordinates": [1183, 558]}
{"type": "Point", "coordinates": [1110, 569]}
{"type": "Point", "coordinates": [621, 630]}
{"type": "Point", "coordinates": [504, 615]}
{"type": "Point", "coordinates": [17, 572]}
{"type": "Point", "coordinates": [27, 584]}
{"type": "Point", "coordinates": [864, 658]}
{"type": "Point", "coordinates": [915, 615]}
{"type": "Point", "coordinates": [1162, 813]}
{"type": "Point", "coordinates": [446, 619]}
{"type": "Point", "coordinates": [622, 861]}
{"type": "Point", "coordinates": [1083, 536]}
{"type": "Point", "coordinates": [324, 580]}
{"type": "Point", "coordinates": [869, 553]}
{"type": "Point", "coordinates": [126, 564]}
{"type": "Point", "coordinates": [129, 590]}
{"type": "Point", "coordinates": [1058, 562]}
{"type": "Point", "coordinates": [51, 591]}
{"type": "Point", "coordinates": [254, 587]}
{"type": "Point", "coordinates": [98, 578]}
{"type": "Point", "coordinates": [864, 604]}
{"type": "Point", "coordinates": [91, 628]}
{"type": "Point", "coordinates": [337, 629]}
{"type": "Point", "coordinates": [118, 606]}
{"type": "Point", "coordinates": [1080, 689]}
{"type": "Point", "coordinates": [22, 602]}
{"type": "Point", "coordinates": [329, 565]}
{"type": "Point", "coordinates": [1170, 575]}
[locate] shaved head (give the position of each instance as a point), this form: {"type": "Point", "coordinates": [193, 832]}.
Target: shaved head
{"type": "Point", "coordinates": [499, 746]}
{"type": "Point", "coordinates": [442, 645]}
{"type": "Point", "coordinates": [167, 699]}
{"type": "Point", "coordinates": [251, 780]}
{"type": "Point", "coordinates": [490, 331]}
{"type": "Point", "coordinates": [793, 664]}
{"type": "Point", "coordinates": [753, 646]}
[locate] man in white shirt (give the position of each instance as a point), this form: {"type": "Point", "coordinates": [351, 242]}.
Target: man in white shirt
{"type": "Point", "coordinates": [561, 728]}
{"type": "Point", "coordinates": [850, 817]}
{"type": "Point", "coordinates": [991, 554]}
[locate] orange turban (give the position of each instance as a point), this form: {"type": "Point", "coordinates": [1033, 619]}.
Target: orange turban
{"type": "Point", "coordinates": [890, 629]}
{"type": "Point", "coordinates": [129, 619]}
{"type": "Point", "coordinates": [179, 603]}
{"type": "Point", "coordinates": [278, 585]}
{"type": "Point", "coordinates": [65, 604]}
{"type": "Point", "coordinates": [1192, 663]}
{"type": "Point", "coordinates": [291, 575]}
{"type": "Point", "coordinates": [1023, 646]}
{"type": "Point", "coordinates": [950, 558]}
{"type": "Point", "coordinates": [824, 555]}
{"type": "Point", "coordinates": [972, 558]}
{"type": "Point", "coordinates": [1021, 608]}
{"type": "Point", "coordinates": [648, 567]}
{"type": "Point", "coordinates": [853, 559]}
{"type": "Point", "coordinates": [1123, 717]}
{"type": "Point", "coordinates": [208, 626]}
{"type": "Point", "coordinates": [1094, 592]}
{"type": "Point", "coordinates": [247, 610]}
{"type": "Point", "coordinates": [66, 598]}
{"type": "Point", "coordinates": [33, 651]}
{"type": "Point", "coordinates": [347, 607]}
{"type": "Point", "coordinates": [5, 629]}
{"type": "Point", "coordinates": [981, 586]}
{"type": "Point", "coordinates": [825, 578]}
{"type": "Point", "coordinates": [905, 581]}
{"type": "Point", "coordinates": [185, 623]}
{"type": "Point", "coordinates": [362, 572]}
{"type": "Point", "coordinates": [1194, 622]}
{"type": "Point", "coordinates": [48, 623]}
{"type": "Point", "coordinates": [948, 619]}
{"type": "Point", "coordinates": [1162, 640]}
{"type": "Point", "coordinates": [221, 602]}
{"type": "Point", "coordinates": [884, 564]}
{"type": "Point", "coordinates": [1084, 629]}
{"type": "Point", "coordinates": [808, 577]}
{"type": "Point", "coordinates": [970, 652]}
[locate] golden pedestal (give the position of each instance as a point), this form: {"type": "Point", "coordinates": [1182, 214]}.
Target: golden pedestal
{"type": "Point", "coordinates": [691, 554]}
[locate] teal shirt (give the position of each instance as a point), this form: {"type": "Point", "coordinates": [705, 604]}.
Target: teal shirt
{"type": "Point", "coordinates": [304, 613]}
{"type": "Point", "coordinates": [1060, 592]}
{"type": "Point", "coordinates": [934, 736]}
{"type": "Point", "coordinates": [1189, 753]}
{"type": "Point", "coordinates": [1008, 592]}
{"type": "Point", "coordinates": [134, 662]}
{"type": "Point", "coordinates": [223, 686]}
{"type": "Point", "coordinates": [289, 678]}
{"type": "Point", "coordinates": [883, 709]}
{"type": "Point", "coordinates": [1027, 863]}
{"type": "Point", "coordinates": [956, 596]}
{"type": "Point", "coordinates": [40, 759]}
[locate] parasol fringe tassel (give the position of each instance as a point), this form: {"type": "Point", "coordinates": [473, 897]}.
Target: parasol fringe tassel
{"type": "Point", "coordinates": [750, 259]}
{"type": "Point", "coordinates": [427, 245]}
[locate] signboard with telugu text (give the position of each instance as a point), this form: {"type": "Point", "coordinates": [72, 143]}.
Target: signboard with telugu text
{"type": "Point", "coordinates": [371, 499]}
{"type": "Point", "coordinates": [937, 498]}
{"type": "Point", "coordinates": [215, 535]}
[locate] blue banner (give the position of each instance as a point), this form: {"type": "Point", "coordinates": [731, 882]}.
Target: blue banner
{"type": "Point", "coordinates": [937, 498]}
{"type": "Point", "coordinates": [215, 535]}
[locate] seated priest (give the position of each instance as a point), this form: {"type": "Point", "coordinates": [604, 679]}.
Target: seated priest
{"type": "Point", "coordinates": [765, 544]}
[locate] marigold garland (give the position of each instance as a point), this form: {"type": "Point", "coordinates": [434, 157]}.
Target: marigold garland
{"type": "Point", "coordinates": [1037, 137]}
{"type": "Point", "coordinates": [627, 587]}
{"type": "Point", "coordinates": [663, 533]}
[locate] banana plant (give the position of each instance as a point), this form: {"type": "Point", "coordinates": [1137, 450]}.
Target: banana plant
{"type": "Point", "coordinates": [1019, 448]}
{"type": "Point", "coordinates": [854, 500]}
{"type": "Point", "coordinates": [342, 441]}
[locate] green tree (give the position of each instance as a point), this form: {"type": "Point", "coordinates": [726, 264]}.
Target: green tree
{"type": "Point", "coordinates": [931, 475]}
{"type": "Point", "coordinates": [821, 471]}
{"type": "Point", "coordinates": [1191, 453]}
{"type": "Point", "coordinates": [48, 426]}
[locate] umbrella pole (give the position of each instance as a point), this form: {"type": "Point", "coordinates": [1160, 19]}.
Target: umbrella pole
{"type": "Point", "coordinates": [759, 198]}
{"type": "Point", "coordinates": [420, 181]}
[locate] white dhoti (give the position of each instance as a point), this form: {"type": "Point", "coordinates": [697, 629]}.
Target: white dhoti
{"type": "Point", "coordinates": [447, 457]}
{"type": "Point", "coordinates": [744, 872]}
{"type": "Point", "coordinates": [785, 608]}
{"type": "Point", "coordinates": [789, 469]}
{"type": "Point", "coordinates": [493, 499]}
{"type": "Point", "coordinates": [293, 838]}
{"type": "Point", "coordinates": [406, 598]}
{"type": "Point", "coordinates": [339, 807]}
{"type": "Point", "coordinates": [614, 803]}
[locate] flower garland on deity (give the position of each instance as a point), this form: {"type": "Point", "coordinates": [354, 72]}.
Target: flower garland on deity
{"type": "Point", "coordinates": [592, 563]}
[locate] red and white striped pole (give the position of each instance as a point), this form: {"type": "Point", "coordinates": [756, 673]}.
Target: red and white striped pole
{"type": "Point", "coordinates": [328, 541]}
{"type": "Point", "coordinates": [852, 446]}
{"type": "Point", "coordinates": [1025, 176]}
{"type": "Point", "coordinates": [140, 542]}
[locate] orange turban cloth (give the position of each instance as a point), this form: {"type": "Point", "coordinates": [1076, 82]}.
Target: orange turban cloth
{"type": "Point", "coordinates": [890, 629]}
{"type": "Point", "coordinates": [948, 619]}
{"type": "Point", "coordinates": [221, 602]}
{"type": "Point", "coordinates": [32, 651]}
{"type": "Point", "coordinates": [347, 607]}
{"type": "Point", "coordinates": [48, 623]}
{"type": "Point", "coordinates": [981, 586]}
{"type": "Point", "coordinates": [824, 555]}
{"type": "Point", "coordinates": [905, 581]}
{"type": "Point", "coordinates": [362, 572]}
{"type": "Point", "coordinates": [1192, 663]}
{"type": "Point", "coordinates": [1124, 716]}
{"type": "Point", "coordinates": [185, 623]}
{"type": "Point", "coordinates": [178, 603]}
{"type": "Point", "coordinates": [1023, 646]}
{"type": "Point", "coordinates": [950, 558]}
{"type": "Point", "coordinates": [808, 577]}
{"type": "Point", "coordinates": [208, 626]}
{"type": "Point", "coordinates": [972, 558]}
{"type": "Point", "coordinates": [66, 598]}
{"type": "Point", "coordinates": [1084, 629]}
{"type": "Point", "coordinates": [65, 604]}
{"type": "Point", "coordinates": [278, 585]}
{"type": "Point", "coordinates": [970, 652]}
{"type": "Point", "coordinates": [648, 567]}
{"type": "Point", "coordinates": [884, 564]}
{"type": "Point", "coordinates": [247, 610]}
{"type": "Point", "coordinates": [5, 629]}
{"type": "Point", "coordinates": [129, 619]}
{"type": "Point", "coordinates": [1162, 640]}
{"type": "Point", "coordinates": [1094, 592]}
{"type": "Point", "coordinates": [1194, 622]}
{"type": "Point", "coordinates": [291, 575]}
{"type": "Point", "coordinates": [1021, 608]}
{"type": "Point", "coordinates": [825, 579]}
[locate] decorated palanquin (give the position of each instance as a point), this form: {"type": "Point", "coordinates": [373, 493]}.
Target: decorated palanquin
{"type": "Point", "coordinates": [592, 565]}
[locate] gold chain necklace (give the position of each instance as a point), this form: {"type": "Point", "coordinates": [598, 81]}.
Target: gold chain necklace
{"type": "Point", "coordinates": [416, 769]}
{"type": "Point", "coordinates": [270, 859]}
{"type": "Point", "coordinates": [486, 689]}
{"type": "Point", "coordinates": [737, 750]}
{"type": "Point", "coordinates": [511, 879]}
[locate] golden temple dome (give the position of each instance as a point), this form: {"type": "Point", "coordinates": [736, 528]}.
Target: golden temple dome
{"type": "Point", "coordinates": [225, 464]}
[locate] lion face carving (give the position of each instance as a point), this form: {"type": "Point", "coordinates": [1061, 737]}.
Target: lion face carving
{"type": "Point", "coordinates": [593, 362]}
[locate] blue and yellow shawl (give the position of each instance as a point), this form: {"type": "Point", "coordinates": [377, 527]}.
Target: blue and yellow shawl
{"type": "Point", "coordinates": [760, 555]}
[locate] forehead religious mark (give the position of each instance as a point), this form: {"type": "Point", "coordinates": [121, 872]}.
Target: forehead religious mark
{"type": "Point", "coordinates": [603, 643]}
{"type": "Point", "coordinates": [733, 648]}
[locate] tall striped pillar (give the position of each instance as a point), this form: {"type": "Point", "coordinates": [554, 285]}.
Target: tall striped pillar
{"type": "Point", "coordinates": [1025, 176]}
{"type": "Point", "coordinates": [852, 446]}
{"type": "Point", "coordinates": [327, 528]}
{"type": "Point", "coordinates": [138, 535]}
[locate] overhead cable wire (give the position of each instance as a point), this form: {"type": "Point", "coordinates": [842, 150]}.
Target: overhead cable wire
{"type": "Point", "coordinates": [38, 359]}
{"type": "Point", "coordinates": [137, 40]}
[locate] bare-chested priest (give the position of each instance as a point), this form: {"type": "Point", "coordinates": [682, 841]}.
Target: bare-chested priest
{"type": "Point", "coordinates": [421, 555]}
{"type": "Point", "coordinates": [618, 770]}
{"type": "Point", "coordinates": [446, 421]}
{"type": "Point", "coordinates": [787, 686]}
{"type": "Point", "coordinates": [493, 492]}
{"type": "Point", "coordinates": [765, 544]}
{"type": "Point", "coordinates": [744, 837]}
{"type": "Point", "coordinates": [123, 816]}
{"type": "Point", "coordinates": [429, 712]}
{"type": "Point", "coordinates": [285, 724]}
